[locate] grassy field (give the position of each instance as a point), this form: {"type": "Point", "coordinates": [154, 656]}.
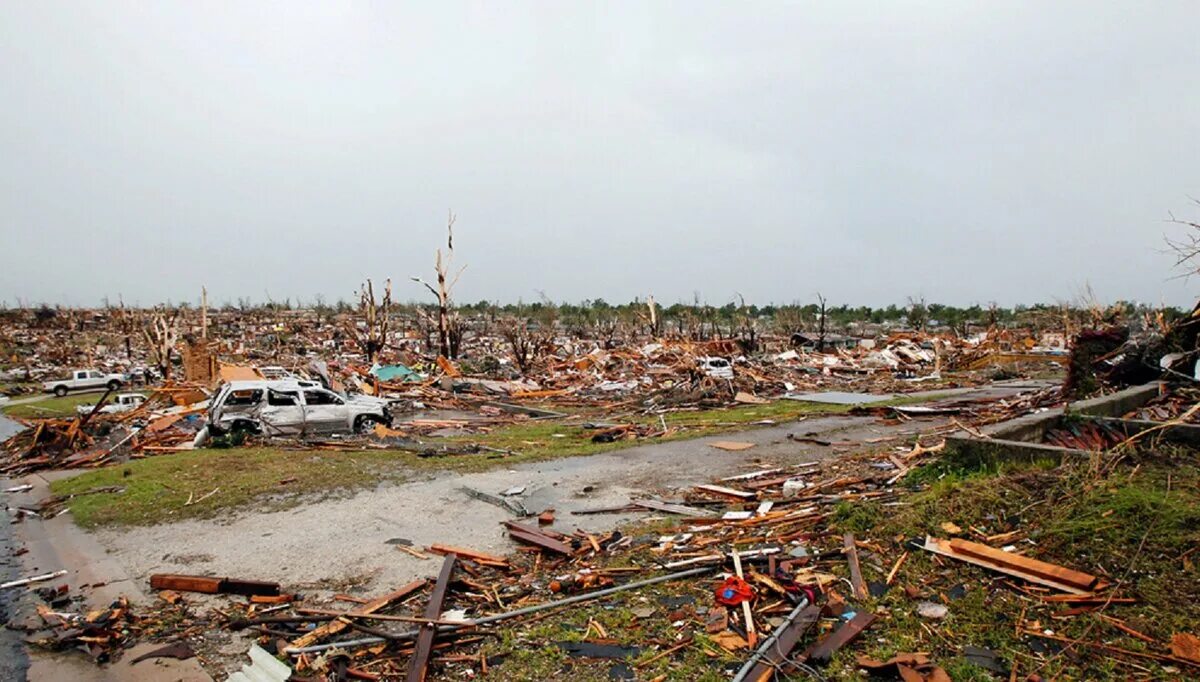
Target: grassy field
{"type": "Point", "coordinates": [157, 487]}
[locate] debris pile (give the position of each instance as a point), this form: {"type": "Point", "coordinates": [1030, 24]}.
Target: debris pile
{"type": "Point", "coordinates": [167, 421]}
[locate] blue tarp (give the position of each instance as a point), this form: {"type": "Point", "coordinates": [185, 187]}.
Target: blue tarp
{"type": "Point", "coordinates": [394, 373]}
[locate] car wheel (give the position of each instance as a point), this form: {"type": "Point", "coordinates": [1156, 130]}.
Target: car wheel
{"type": "Point", "coordinates": [366, 423]}
{"type": "Point", "coordinates": [114, 385]}
{"type": "Point", "coordinates": [60, 391]}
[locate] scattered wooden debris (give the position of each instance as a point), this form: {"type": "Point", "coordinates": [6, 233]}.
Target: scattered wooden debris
{"type": "Point", "coordinates": [1039, 572]}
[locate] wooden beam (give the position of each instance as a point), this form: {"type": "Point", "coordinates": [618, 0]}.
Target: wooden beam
{"type": "Point", "coordinates": [207, 585]}
{"type": "Point", "coordinates": [1008, 567]}
{"type": "Point", "coordinates": [856, 579]}
{"type": "Point", "coordinates": [682, 510]}
{"type": "Point", "coordinates": [727, 492]}
{"type": "Point", "coordinates": [418, 665]}
{"type": "Point", "coordinates": [1041, 569]}
{"type": "Point", "coordinates": [370, 607]}
{"type": "Point", "coordinates": [747, 612]}
{"type": "Point", "coordinates": [468, 554]}
{"type": "Point", "coordinates": [823, 650]}
{"type": "Point", "coordinates": [535, 537]}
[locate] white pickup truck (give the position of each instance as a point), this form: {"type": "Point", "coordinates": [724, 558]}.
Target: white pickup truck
{"type": "Point", "coordinates": [123, 402]}
{"type": "Point", "coordinates": [85, 380]}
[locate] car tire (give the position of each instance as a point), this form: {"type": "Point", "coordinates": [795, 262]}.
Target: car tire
{"type": "Point", "coordinates": [113, 385]}
{"type": "Point", "coordinates": [366, 423]}
{"type": "Point", "coordinates": [60, 391]}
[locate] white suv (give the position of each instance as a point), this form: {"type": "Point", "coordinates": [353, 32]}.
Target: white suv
{"type": "Point", "coordinates": [292, 407]}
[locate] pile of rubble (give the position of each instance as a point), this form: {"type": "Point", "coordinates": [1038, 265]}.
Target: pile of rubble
{"type": "Point", "coordinates": [167, 421]}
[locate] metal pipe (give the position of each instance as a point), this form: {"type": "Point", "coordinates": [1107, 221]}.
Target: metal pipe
{"type": "Point", "coordinates": [766, 646]}
{"type": "Point", "coordinates": [486, 620]}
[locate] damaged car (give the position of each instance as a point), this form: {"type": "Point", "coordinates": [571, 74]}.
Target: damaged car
{"type": "Point", "coordinates": [292, 407]}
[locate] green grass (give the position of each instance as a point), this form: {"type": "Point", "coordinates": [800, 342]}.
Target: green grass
{"type": "Point", "coordinates": [52, 407]}
{"type": "Point", "coordinates": [156, 489]}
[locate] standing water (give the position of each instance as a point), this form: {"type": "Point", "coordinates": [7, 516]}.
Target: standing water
{"type": "Point", "coordinates": [13, 661]}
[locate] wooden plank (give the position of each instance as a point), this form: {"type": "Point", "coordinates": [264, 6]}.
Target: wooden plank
{"type": "Point", "coordinates": [823, 650]}
{"type": "Point", "coordinates": [467, 553]}
{"type": "Point", "coordinates": [418, 665]}
{"type": "Point", "coordinates": [728, 492]}
{"type": "Point", "coordinates": [751, 633]}
{"type": "Point", "coordinates": [185, 583]}
{"type": "Point", "coordinates": [780, 650]}
{"type": "Point", "coordinates": [731, 445]}
{"type": "Point", "coordinates": [209, 585]}
{"type": "Point", "coordinates": [682, 510]}
{"type": "Point", "coordinates": [334, 627]}
{"type": "Point", "coordinates": [943, 547]}
{"type": "Point", "coordinates": [532, 536]}
{"type": "Point", "coordinates": [1041, 569]}
{"type": "Point", "coordinates": [856, 579]}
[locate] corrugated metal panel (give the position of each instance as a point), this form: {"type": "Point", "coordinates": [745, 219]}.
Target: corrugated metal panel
{"type": "Point", "coordinates": [263, 667]}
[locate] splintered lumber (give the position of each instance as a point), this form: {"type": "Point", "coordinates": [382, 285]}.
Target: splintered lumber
{"type": "Point", "coordinates": [1039, 572]}
{"type": "Point", "coordinates": [856, 579]}
{"type": "Point", "coordinates": [419, 663]}
{"type": "Point", "coordinates": [751, 632]}
{"type": "Point", "coordinates": [463, 552]}
{"type": "Point", "coordinates": [366, 609]}
{"type": "Point", "coordinates": [681, 509]}
{"type": "Point", "coordinates": [1112, 649]}
{"type": "Point", "coordinates": [891, 576]}
{"type": "Point", "coordinates": [775, 649]}
{"type": "Point", "coordinates": [486, 620]}
{"type": "Point", "coordinates": [823, 650]}
{"type": "Point", "coordinates": [731, 445]}
{"type": "Point", "coordinates": [535, 537]}
{"type": "Point", "coordinates": [1087, 599]}
{"type": "Point", "coordinates": [207, 585]}
{"type": "Point", "coordinates": [728, 492]}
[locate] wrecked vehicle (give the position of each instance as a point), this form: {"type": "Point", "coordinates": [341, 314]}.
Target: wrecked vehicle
{"type": "Point", "coordinates": [718, 368]}
{"type": "Point", "coordinates": [83, 380]}
{"type": "Point", "coordinates": [124, 402]}
{"type": "Point", "coordinates": [292, 407]}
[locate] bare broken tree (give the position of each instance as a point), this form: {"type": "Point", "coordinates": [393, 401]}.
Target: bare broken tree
{"type": "Point", "coordinates": [160, 327]}
{"type": "Point", "coordinates": [125, 323]}
{"type": "Point", "coordinates": [449, 331]}
{"type": "Point", "coordinates": [375, 315]}
{"type": "Point", "coordinates": [528, 340]}
{"type": "Point", "coordinates": [1186, 247]}
{"type": "Point", "coordinates": [821, 324]}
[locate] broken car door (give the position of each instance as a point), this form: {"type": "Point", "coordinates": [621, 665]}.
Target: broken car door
{"type": "Point", "coordinates": [283, 413]}
{"type": "Point", "coordinates": [326, 411]}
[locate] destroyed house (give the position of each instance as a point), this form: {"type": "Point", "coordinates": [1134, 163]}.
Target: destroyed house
{"type": "Point", "coordinates": [832, 341]}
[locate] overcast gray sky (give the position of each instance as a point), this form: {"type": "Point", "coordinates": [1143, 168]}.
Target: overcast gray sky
{"type": "Point", "coordinates": [963, 151]}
